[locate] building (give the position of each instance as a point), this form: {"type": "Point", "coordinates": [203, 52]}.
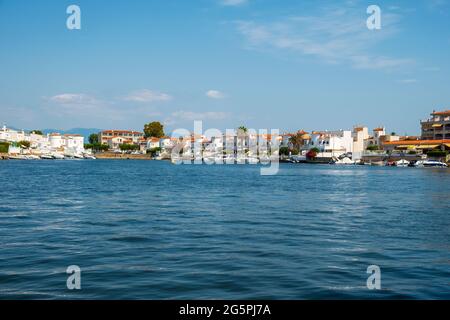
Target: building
{"type": "Point", "coordinates": [133, 137]}
{"type": "Point", "coordinates": [417, 146]}
{"type": "Point", "coordinates": [330, 143]}
{"type": "Point", "coordinates": [437, 126]}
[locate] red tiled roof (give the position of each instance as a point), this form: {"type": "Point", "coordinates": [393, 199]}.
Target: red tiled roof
{"type": "Point", "coordinates": [416, 142]}
{"type": "Point", "coordinates": [441, 113]}
{"type": "Point", "coordinates": [122, 132]}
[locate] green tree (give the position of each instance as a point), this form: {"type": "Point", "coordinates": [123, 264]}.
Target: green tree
{"type": "Point", "coordinates": [284, 151]}
{"type": "Point", "coordinates": [25, 144]}
{"type": "Point", "coordinates": [372, 147]}
{"type": "Point", "coordinates": [297, 140]}
{"type": "Point", "coordinates": [153, 151]}
{"type": "Point", "coordinates": [154, 129]}
{"type": "Point", "coordinates": [39, 132]}
{"type": "Point", "coordinates": [243, 129]}
{"type": "Point", "coordinates": [93, 138]}
{"type": "Point", "coordinates": [128, 147]}
{"type": "Point", "coordinates": [4, 147]}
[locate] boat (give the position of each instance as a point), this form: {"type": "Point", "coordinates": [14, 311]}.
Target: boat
{"type": "Point", "coordinates": [434, 163]}
{"type": "Point", "coordinates": [253, 160]}
{"type": "Point", "coordinates": [343, 161]}
{"type": "Point", "coordinates": [57, 156]}
{"type": "Point", "coordinates": [402, 163]}
{"type": "Point", "coordinates": [89, 156]}
{"type": "Point", "coordinates": [47, 157]}
{"type": "Point", "coordinates": [32, 157]}
{"type": "Point", "coordinates": [16, 157]}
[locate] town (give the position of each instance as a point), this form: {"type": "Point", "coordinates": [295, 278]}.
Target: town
{"type": "Point", "coordinates": [357, 146]}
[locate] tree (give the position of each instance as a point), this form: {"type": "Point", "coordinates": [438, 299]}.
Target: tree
{"type": "Point", "coordinates": [312, 153]}
{"type": "Point", "coordinates": [39, 132]}
{"type": "Point", "coordinates": [243, 129]}
{"type": "Point", "coordinates": [154, 129]}
{"type": "Point", "coordinates": [284, 151]}
{"type": "Point", "coordinates": [97, 147]}
{"type": "Point", "coordinates": [372, 147]}
{"type": "Point", "coordinates": [153, 151]}
{"type": "Point", "coordinates": [4, 147]}
{"type": "Point", "coordinates": [297, 140]}
{"type": "Point", "coordinates": [93, 138]}
{"type": "Point", "coordinates": [25, 144]}
{"type": "Point", "coordinates": [128, 147]}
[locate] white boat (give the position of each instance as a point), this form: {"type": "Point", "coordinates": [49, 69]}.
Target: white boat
{"type": "Point", "coordinates": [47, 157]}
{"type": "Point", "coordinates": [402, 163]}
{"type": "Point", "coordinates": [344, 161]}
{"type": "Point", "coordinates": [57, 156]}
{"type": "Point", "coordinates": [32, 157]}
{"type": "Point", "coordinates": [253, 160]}
{"type": "Point", "coordinates": [89, 156]}
{"type": "Point", "coordinates": [17, 157]}
{"type": "Point", "coordinates": [434, 163]}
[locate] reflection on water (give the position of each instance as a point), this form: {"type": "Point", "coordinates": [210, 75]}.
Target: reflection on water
{"type": "Point", "coordinates": [156, 231]}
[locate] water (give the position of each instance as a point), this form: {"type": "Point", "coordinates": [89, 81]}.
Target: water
{"type": "Point", "coordinates": [152, 230]}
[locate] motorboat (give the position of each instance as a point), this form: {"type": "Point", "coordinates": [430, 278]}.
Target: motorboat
{"type": "Point", "coordinates": [434, 163]}
{"type": "Point", "coordinates": [402, 163]}
{"type": "Point", "coordinates": [47, 157]}
{"type": "Point", "coordinates": [17, 157]}
{"type": "Point", "coordinates": [89, 156]}
{"type": "Point", "coordinates": [32, 157]}
{"type": "Point", "coordinates": [58, 156]}
{"type": "Point", "coordinates": [343, 161]}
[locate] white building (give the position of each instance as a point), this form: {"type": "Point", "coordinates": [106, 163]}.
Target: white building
{"type": "Point", "coordinates": [330, 143]}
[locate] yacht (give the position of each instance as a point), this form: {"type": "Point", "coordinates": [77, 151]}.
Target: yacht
{"type": "Point", "coordinates": [431, 163]}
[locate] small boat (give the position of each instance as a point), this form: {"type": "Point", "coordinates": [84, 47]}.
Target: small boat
{"type": "Point", "coordinates": [47, 157]}
{"type": "Point", "coordinates": [89, 156]}
{"type": "Point", "coordinates": [434, 163]}
{"type": "Point", "coordinates": [402, 163]}
{"type": "Point", "coordinates": [32, 157]}
{"type": "Point", "coordinates": [17, 157]}
{"type": "Point", "coordinates": [253, 160]}
{"type": "Point", "coordinates": [343, 161]}
{"type": "Point", "coordinates": [57, 156]}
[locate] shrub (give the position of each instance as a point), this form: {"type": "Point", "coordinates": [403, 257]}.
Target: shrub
{"type": "Point", "coordinates": [4, 147]}
{"type": "Point", "coordinates": [437, 153]}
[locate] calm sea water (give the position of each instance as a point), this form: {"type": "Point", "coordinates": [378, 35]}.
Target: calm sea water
{"type": "Point", "coordinates": [153, 230]}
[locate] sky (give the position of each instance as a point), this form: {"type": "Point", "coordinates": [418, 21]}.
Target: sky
{"type": "Point", "coordinates": [264, 64]}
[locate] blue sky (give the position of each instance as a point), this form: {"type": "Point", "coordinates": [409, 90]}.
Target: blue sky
{"type": "Point", "coordinates": [261, 63]}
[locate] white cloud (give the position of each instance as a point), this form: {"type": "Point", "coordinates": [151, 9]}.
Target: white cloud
{"type": "Point", "coordinates": [146, 95]}
{"type": "Point", "coordinates": [233, 2]}
{"type": "Point", "coordinates": [215, 94]}
{"type": "Point", "coordinates": [408, 81]}
{"type": "Point", "coordinates": [338, 35]}
{"type": "Point", "coordinates": [73, 98]}
{"type": "Point", "coordinates": [192, 116]}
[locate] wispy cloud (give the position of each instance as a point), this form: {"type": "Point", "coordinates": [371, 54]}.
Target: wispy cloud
{"type": "Point", "coordinates": [73, 99]}
{"type": "Point", "coordinates": [191, 116]}
{"type": "Point", "coordinates": [146, 95]}
{"type": "Point", "coordinates": [408, 81]}
{"type": "Point", "coordinates": [339, 35]}
{"type": "Point", "coordinates": [233, 2]}
{"type": "Point", "coordinates": [215, 94]}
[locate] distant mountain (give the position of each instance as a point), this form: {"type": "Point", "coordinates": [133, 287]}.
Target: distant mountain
{"type": "Point", "coordinates": [85, 132]}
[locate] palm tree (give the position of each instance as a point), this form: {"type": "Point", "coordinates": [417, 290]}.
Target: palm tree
{"type": "Point", "coordinates": [243, 129]}
{"type": "Point", "coordinates": [297, 140]}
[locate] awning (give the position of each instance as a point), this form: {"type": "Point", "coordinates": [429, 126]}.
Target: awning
{"type": "Point", "coordinates": [447, 145]}
{"type": "Point", "coordinates": [436, 125]}
{"type": "Point", "coordinates": [428, 146]}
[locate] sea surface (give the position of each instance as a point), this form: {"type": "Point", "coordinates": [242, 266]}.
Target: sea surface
{"type": "Point", "coordinates": [153, 230]}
